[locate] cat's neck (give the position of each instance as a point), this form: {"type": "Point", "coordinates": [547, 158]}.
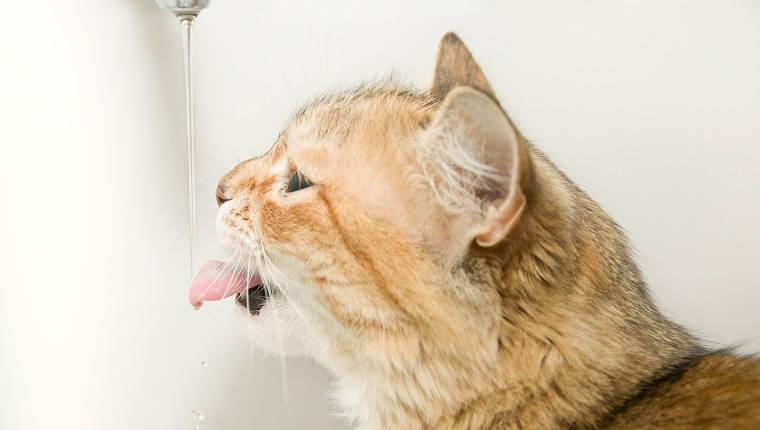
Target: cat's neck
{"type": "Point", "coordinates": [578, 336]}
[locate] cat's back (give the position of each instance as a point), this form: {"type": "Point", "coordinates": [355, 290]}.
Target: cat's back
{"type": "Point", "coordinates": [714, 391]}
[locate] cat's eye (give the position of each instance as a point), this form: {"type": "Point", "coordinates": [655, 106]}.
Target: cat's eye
{"type": "Point", "coordinates": [298, 181]}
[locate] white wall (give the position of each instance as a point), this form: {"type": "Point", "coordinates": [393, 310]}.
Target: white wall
{"type": "Point", "coordinates": [653, 108]}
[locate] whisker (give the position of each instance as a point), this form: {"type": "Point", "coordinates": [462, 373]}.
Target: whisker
{"type": "Point", "coordinates": [283, 360]}
{"type": "Point", "coordinates": [222, 147]}
{"type": "Point", "coordinates": [272, 269]}
{"type": "Point", "coordinates": [207, 226]}
{"type": "Point", "coordinates": [201, 181]}
{"type": "Point", "coordinates": [224, 269]}
{"type": "Point", "coordinates": [214, 239]}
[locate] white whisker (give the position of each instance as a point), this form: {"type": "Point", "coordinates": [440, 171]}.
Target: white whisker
{"type": "Point", "coordinates": [224, 269]}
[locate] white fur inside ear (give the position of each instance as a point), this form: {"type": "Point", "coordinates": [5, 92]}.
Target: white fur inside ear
{"type": "Point", "coordinates": [470, 160]}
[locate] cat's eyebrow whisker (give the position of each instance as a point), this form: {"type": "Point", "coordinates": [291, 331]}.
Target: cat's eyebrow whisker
{"type": "Point", "coordinates": [283, 114]}
{"type": "Point", "coordinates": [225, 148]}
{"type": "Point", "coordinates": [270, 126]}
{"type": "Point", "coordinates": [231, 122]}
{"type": "Point", "coordinates": [219, 163]}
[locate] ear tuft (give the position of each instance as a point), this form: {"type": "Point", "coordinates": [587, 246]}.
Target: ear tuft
{"type": "Point", "coordinates": [474, 160]}
{"type": "Point", "coordinates": [455, 67]}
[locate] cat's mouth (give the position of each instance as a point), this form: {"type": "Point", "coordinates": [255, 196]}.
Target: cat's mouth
{"type": "Point", "coordinates": [253, 298]}
{"type": "Point", "coordinates": [217, 280]}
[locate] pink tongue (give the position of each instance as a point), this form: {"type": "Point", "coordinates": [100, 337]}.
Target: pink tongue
{"type": "Point", "coordinates": [216, 281]}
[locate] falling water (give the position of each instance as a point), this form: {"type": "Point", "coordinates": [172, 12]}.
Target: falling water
{"type": "Point", "coordinates": [186, 11]}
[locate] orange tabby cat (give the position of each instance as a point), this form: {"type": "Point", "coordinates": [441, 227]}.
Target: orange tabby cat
{"type": "Point", "coordinates": [452, 278]}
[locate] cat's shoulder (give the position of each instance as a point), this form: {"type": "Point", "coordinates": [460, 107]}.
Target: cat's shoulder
{"type": "Point", "coordinates": [713, 391]}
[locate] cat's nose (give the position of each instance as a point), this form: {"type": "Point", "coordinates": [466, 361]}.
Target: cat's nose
{"type": "Point", "coordinates": [220, 196]}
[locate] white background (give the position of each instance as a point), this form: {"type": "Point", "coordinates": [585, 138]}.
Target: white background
{"type": "Point", "coordinates": [653, 107]}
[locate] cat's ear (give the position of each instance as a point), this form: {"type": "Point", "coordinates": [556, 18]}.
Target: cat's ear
{"type": "Point", "coordinates": [455, 67]}
{"type": "Point", "coordinates": [481, 163]}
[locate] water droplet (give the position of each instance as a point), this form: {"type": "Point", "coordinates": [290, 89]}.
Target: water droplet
{"type": "Point", "coordinates": [197, 428]}
{"type": "Point", "coordinates": [204, 363]}
{"type": "Point", "coordinates": [198, 415]}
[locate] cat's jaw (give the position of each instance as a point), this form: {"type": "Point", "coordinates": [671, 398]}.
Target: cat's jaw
{"type": "Point", "coordinates": [280, 329]}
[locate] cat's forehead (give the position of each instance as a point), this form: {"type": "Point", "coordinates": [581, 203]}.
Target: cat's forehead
{"type": "Point", "coordinates": [362, 114]}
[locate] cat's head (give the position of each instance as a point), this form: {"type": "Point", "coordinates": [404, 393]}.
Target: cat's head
{"type": "Point", "coordinates": [379, 222]}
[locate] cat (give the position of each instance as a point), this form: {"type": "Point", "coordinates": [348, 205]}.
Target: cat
{"type": "Point", "coordinates": [451, 277]}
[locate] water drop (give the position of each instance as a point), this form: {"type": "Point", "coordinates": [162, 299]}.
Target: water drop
{"type": "Point", "coordinates": [197, 427]}
{"type": "Point", "coordinates": [198, 415]}
{"type": "Point", "coordinates": [204, 363]}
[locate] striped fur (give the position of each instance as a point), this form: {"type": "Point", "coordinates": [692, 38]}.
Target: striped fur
{"type": "Point", "coordinates": [453, 278]}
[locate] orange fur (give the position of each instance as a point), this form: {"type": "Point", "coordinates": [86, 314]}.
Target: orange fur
{"type": "Point", "coordinates": [451, 277]}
